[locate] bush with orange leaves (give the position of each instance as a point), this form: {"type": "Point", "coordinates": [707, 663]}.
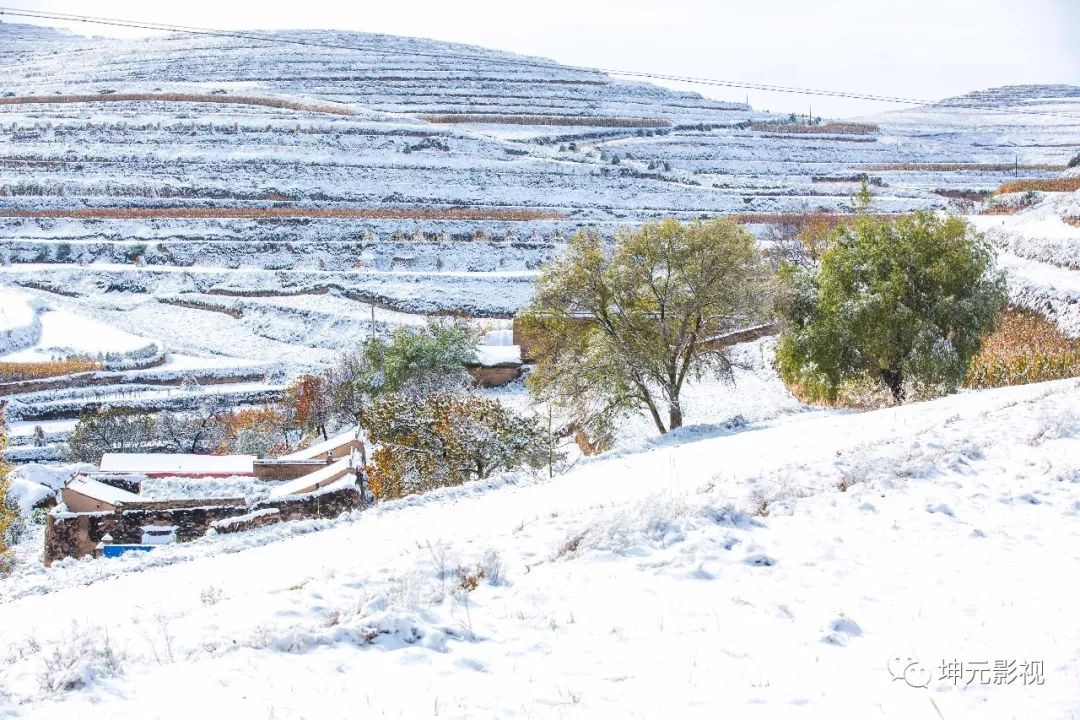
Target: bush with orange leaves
{"type": "Point", "coordinates": [427, 442]}
{"type": "Point", "coordinates": [1025, 348]}
{"type": "Point", "coordinates": [266, 431]}
{"type": "Point", "coordinates": [310, 397]}
{"type": "Point", "coordinates": [7, 513]}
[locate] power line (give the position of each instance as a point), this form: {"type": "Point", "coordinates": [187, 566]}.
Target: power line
{"type": "Point", "coordinates": [692, 80]}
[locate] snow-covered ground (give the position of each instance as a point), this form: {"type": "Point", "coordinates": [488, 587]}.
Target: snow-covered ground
{"type": "Point", "coordinates": [64, 334]}
{"type": "Point", "coordinates": [767, 561]}
{"type": "Point", "coordinates": [819, 565]}
{"type": "Point", "coordinates": [1040, 254]}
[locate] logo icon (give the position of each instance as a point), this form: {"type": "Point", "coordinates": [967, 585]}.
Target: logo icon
{"type": "Point", "coordinates": [910, 670]}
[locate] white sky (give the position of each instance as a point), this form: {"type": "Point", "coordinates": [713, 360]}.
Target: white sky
{"type": "Point", "coordinates": [910, 48]}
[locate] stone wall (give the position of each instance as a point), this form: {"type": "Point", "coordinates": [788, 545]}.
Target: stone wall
{"type": "Point", "coordinates": [78, 534]}
{"type": "Point", "coordinates": [489, 376]}
{"type": "Point", "coordinates": [250, 521]}
{"type": "Point", "coordinates": [315, 505]}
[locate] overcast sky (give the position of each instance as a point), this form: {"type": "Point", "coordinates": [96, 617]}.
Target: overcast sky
{"type": "Point", "coordinates": [910, 48]}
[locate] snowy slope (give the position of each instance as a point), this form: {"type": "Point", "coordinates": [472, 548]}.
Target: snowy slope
{"type": "Point", "coordinates": [703, 576]}
{"type": "Point", "coordinates": [1041, 254]}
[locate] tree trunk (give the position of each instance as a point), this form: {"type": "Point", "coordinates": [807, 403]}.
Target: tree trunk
{"type": "Point", "coordinates": [674, 415]}
{"type": "Point", "coordinates": [894, 379]}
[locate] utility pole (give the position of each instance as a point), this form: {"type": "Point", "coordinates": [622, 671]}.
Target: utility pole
{"type": "Point", "coordinates": [372, 320]}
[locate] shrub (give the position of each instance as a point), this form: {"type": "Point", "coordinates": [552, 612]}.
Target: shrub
{"type": "Point", "coordinates": [960, 167]}
{"type": "Point", "coordinates": [836, 128]}
{"type": "Point", "coordinates": [19, 371]}
{"type": "Point", "coordinates": [1025, 348]}
{"type": "Point", "coordinates": [309, 397]}
{"type": "Point", "coordinates": [444, 440]}
{"type": "Point", "coordinates": [568, 120]}
{"type": "Point", "coordinates": [902, 305]}
{"type": "Point", "coordinates": [1075, 162]}
{"type": "Point", "coordinates": [1044, 184]}
{"type": "Point", "coordinates": [8, 516]}
{"type": "Point", "coordinates": [267, 431]}
{"type": "Point", "coordinates": [428, 361]}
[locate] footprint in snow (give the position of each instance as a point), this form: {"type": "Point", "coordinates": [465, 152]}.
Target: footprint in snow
{"type": "Point", "coordinates": [760, 560]}
{"type": "Point", "coordinates": [941, 508]}
{"type": "Point", "coordinates": [843, 629]}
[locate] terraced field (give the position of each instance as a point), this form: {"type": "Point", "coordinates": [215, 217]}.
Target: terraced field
{"type": "Point", "coordinates": [253, 204]}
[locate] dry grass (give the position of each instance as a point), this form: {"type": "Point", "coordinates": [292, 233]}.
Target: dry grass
{"type": "Point", "coordinates": [181, 97]}
{"type": "Point", "coordinates": [575, 120]}
{"type": "Point", "coordinates": [794, 218]}
{"type": "Point", "coordinates": [833, 128]}
{"type": "Point", "coordinates": [151, 213]}
{"type": "Point", "coordinates": [1071, 184]}
{"type": "Point", "coordinates": [1074, 221]}
{"type": "Point", "coordinates": [17, 371]}
{"type": "Point", "coordinates": [949, 167]}
{"type": "Point", "coordinates": [1025, 348]}
{"type": "Point", "coordinates": [1002, 209]}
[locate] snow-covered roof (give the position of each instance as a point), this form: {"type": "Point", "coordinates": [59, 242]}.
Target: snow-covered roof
{"type": "Point", "coordinates": [313, 481]}
{"type": "Point", "coordinates": [318, 451]}
{"type": "Point", "coordinates": [163, 464]}
{"type": "Point", "coordinates": [497, 354]}
{"type": "Point", "coordinates": [100, 491]}
{"type": "Point", "coordinates": [25, 494]}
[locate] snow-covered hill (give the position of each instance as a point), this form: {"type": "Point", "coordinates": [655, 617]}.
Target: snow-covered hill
{"type": "Point", "coordinates": [816, 565]}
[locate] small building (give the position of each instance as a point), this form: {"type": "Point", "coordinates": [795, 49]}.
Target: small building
{"type": "Point", "coordinates": [319, 479]}
{"type": "Point", "coordinates": [178, 464]}
{"type": "Point", "coordinates": [337, 447]}
{"type": "Point", "coordinates": [311, 459]}
{"type": "Point", "coordinates": [84, 494]}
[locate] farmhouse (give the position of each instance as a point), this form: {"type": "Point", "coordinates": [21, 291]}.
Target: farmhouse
{"type": "Point", "coordinates": [105, 513]}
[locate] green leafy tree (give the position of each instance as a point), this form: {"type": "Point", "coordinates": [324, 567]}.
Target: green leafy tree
{"type": "Point", "coordinates": [421, 362]}
{"type": "Point", "coordinates": [902, 303]}
{"type": "Point", "coordinates": [621, 329]}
